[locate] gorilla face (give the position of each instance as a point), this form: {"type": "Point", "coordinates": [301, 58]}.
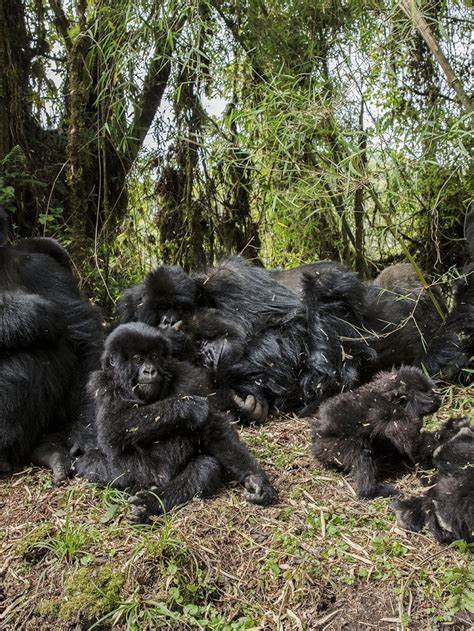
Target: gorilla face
{"type": "Point", "coordinates": [138, 355]}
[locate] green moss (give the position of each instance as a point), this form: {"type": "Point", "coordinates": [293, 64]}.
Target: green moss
{"type": "Point", "coordinates": [32, 548]}
{"type": "Point", "coordinates": [89, 593]}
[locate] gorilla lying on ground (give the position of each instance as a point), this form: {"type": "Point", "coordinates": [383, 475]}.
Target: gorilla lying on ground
{"type": "Point", "coordinates": [399, 315]}
{"type": "Point", "coordinates": [447, 508]}
{"type": "Point", "coordinates": [159, 435]}
{"type": "Point", "coordinates": [49, 341]}
{"type": "Point", "coordinates": [382, 418]}
{"type": "Point", "coordinates": [403, 316]}
{"type": "Point", "coordinates": [257, 337]}
{"type": "Point", "coordinates": [452, 348]}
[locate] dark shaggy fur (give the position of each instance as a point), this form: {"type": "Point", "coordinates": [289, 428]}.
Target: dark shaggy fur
{"type": "Point", "coordinates": [399, 315]}
{"type": "Point", "coordinates": [452, 348]}
{"type": "Point", "coordinates": [255, 335]}
{"type": "Point", "coordinates": [447, 508]}
{"type": "Point", "coordinates": [49, 341]}
{"type": "Point", "coordinates": [381, 418]}
{"type": "Point", "coordinates": [158, 430]}
{"type": "Point", "coordinates": [402, 317]}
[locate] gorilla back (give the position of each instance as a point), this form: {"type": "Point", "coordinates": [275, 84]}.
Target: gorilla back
{"type": "Point", "coordinates": [49, 341]}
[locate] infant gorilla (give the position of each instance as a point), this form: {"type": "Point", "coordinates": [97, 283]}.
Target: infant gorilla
{"type": "Point", "coordinates": [381, 418]}
{"type": "Point", "coordinates": [447, 508]}
{"type": "Point", "coordinates": [158, 435]}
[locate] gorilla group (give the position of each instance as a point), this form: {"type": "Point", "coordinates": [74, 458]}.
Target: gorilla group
{"type": "Point", "coordinates": [191, 354]}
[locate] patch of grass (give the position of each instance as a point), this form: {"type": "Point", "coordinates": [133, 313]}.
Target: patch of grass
{"type": "Point", "coordinates": [226, 564]}
{"type": "Point", "coordinates": [67, 541]}
{"type": "Point", "coordinates": [89, 592]}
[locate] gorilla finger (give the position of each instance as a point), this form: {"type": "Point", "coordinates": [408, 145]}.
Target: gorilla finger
{"type": "Point", "coordinates": [76, 450]}
{"type": "Point", "coordinates": [238, 400]}
{"type": "Point", "coordinates": [252, 484]}
{"type": "Point", "coordinates": [250, 403]}
{"type": "Point", "coordinates": [137, 516]}
{"type": "Point", "coordinates": [60, 474]}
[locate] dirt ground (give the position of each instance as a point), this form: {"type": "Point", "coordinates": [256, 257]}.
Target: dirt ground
{"type": "Point", "coordinates": [319, 558]}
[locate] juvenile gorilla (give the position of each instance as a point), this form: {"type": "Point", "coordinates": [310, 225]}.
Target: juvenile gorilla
{"type": "Point", "coordinates": [49, 341]}
{"type": "Point", "coordinates": [159, 435]}
{"type": "Point", "coordinates": [379, 419]}
{"type": "Point", "coordinates": [447, 508]}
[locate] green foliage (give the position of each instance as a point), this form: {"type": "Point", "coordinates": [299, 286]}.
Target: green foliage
{"type": "Point", "coordinates": [89, 592]}
{"type": "Point", "coordinates": [289, 131]}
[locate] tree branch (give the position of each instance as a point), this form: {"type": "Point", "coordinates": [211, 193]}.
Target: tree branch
{"type": "Point", "coordinates": [61, 22]}
{"type": "Point", "coordinates": [154, 87]}
{"type": "Point", "coordinates": [410, 8]}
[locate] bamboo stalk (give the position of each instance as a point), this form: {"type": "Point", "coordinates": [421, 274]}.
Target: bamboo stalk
{"type": "Point", "coordinates": [410, 8]}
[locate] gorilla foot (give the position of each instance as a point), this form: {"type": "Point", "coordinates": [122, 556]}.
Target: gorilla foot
{"type": "Point", "coordinates": [55, 457]}
{"type": "Point", "coordinates": [144, 504]}
{"type": "Point", "coordinates": [258, 490]}
{"type": "Point", "coordinates": [256, 411]}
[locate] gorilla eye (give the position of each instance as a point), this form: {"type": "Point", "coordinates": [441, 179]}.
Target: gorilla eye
{"type": "Point", "coordinates": [138, 359]}
{"type": "Point", "coordinates": [154, 356]}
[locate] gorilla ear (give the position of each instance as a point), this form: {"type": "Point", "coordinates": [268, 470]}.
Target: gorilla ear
{"type": "Point", "coordinates": [107, 361]}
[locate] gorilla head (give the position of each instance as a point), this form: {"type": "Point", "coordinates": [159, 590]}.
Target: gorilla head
{"type": "Point", "coordinates": [166, 295]}
{"type": "Point", "coordinates": [137, 353]}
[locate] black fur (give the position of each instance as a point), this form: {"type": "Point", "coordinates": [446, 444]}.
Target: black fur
{"type": "Point", "coordinates": [159, 434]}
{"type": "Point", "coordinates": [447, 508]}
{"type": "Point", "coordinates": [399, 316]}
{"type": "Point", "coordinates": [49, 341]}
{"type": "Point", "coordinates": [352, 430]}
{"type": "Point", "coordinates": [452, 348]}
{"type": "Point", "coordinates": [258, 337]}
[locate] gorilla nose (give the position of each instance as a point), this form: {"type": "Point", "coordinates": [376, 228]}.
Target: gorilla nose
{"type": "Point", "coordinates": [148, 374]}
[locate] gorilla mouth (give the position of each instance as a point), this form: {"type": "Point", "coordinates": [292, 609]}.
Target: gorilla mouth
{"type": "Point", "coordinates": [148, 389]}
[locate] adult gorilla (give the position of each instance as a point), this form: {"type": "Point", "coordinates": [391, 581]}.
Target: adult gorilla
{"type": "Point", "coordinates": [400, 316]}
{"type": "Point", "coordinates": [50, 339]}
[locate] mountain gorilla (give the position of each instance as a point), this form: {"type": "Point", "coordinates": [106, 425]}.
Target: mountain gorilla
{"type": "Point", "coordinates": [159, 434]}
{"type": "Point", "coordinates": [255, 335]}
{"type": "Point", "coordinates": [452, 348]}
{"type": "Point", "coordinates": [399, 314]}
{"type": "Point", "coordinates": [446, 509]}
{"type": "Point", "coordinates": [384, 417]}
{"type": "Point", "coordinates": [49, 341]}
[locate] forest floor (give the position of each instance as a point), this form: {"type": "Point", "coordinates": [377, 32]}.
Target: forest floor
{"type": "Point", "coordinates": [319, 558]}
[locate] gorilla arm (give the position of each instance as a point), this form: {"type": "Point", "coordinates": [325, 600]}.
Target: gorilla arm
{"type": "Point", "coordinates": [222, 441]}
